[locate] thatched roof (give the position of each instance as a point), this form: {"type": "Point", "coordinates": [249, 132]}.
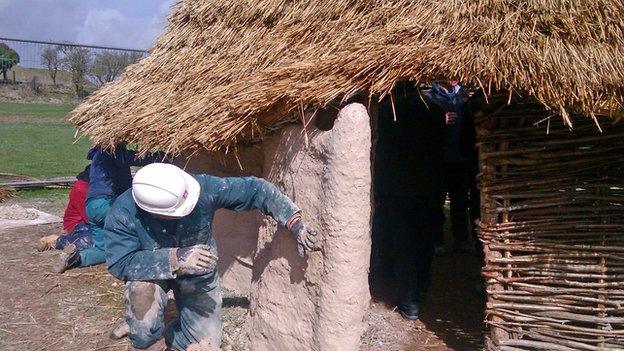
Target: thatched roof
{"type": "Point", "coordinates": [225, 70]}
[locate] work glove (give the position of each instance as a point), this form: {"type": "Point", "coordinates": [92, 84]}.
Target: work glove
{"type": "Point", "coordinates": [195, 259]}
{"type": "Point", "coordinates": [305, 236]}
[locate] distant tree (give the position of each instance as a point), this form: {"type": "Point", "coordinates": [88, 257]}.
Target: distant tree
{"type": "Point", "coordinates": [8, 59]}
{"type": "Point", "coordinates": [108, 65]}
{"type": "Point", "coordinates": [51, 59]}
{"type": "Point", "coordinates": [78, 62]}
{"type": "Point", "coordinates": [34, 85]}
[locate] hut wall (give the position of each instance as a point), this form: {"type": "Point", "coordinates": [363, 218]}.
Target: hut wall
{"type": "Point", "coordinates": [313, 303]}
{"type": "Point", "coordinates": [553, 228]}
{"type": "Point", "coordinates": [236, 233]}
{"type": "Point", "coordinates": [319, 302]}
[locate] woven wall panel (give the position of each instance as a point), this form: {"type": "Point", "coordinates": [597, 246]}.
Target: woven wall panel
{"type": "Point", "coordinates": [553, 227]}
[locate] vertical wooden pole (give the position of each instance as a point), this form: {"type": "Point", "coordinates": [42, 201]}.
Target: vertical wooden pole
{"type": "Point", "coordinates": [489, 218]}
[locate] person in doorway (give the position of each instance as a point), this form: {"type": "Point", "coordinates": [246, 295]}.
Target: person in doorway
{"type": "Point", "coordinates": [158, 237]}
{"type": "Point", "coordinates": [109, 176]}
{"type": "Point", "coordinates": [409, 184]}
{"type": "Point", "coordinates": [458, 166]}
{"type": "Point", "coordinates": [76, 228]}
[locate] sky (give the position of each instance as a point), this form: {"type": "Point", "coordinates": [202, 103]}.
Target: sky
{"type": "Point", "coordinates": [132, 24]}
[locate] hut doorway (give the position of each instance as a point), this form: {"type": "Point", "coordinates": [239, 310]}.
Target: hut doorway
{"type": "Point", "coordinates": [407, 156]}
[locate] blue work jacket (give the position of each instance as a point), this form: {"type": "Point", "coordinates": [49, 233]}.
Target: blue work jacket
{"type": "Point", "coordinates": [138, 245]}
{"type": "Point", "coordinates": [109, 175]}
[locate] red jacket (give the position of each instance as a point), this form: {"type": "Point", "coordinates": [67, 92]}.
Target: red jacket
{"type": "Point", "coordinates": [75, 211]}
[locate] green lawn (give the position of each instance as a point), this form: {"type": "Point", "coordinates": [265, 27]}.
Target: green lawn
{"type": "Point", "coordinates": [44, 193]}
{"type": "Point", "coordinates": [39, 143]}
{"type": "Point", "coordinates": [48, 111]}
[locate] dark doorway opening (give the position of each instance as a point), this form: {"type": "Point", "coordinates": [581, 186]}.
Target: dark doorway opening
{"type": "Point", "coordinates": [408, 173]}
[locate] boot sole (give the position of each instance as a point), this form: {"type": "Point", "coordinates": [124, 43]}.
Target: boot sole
{"type": "Point", "coordinates": [408, 316]}
{"type": "Point", "coordinates": [64, 265]}
{"type": "Point", "coordinates": [120, 331]}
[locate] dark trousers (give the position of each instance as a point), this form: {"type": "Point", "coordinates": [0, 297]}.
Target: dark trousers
{"type": "Point", "coordinates": [458, 183]}
{"type": "Point", "coordinates": [411, 225]}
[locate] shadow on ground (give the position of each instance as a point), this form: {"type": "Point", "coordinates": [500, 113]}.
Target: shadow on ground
{"type": "Point", "coordinates": [452, 312]}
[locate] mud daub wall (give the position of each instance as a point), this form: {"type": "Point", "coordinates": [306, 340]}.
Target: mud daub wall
{"type": "Point", "coordinates": [317, 302]}
{"type": "Point", "coordinates": [553, 227]}
{"type": "Point", "coordinates": [236, 233]}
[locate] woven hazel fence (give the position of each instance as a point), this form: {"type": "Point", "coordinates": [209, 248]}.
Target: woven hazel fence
{"type": "Point", "coordinates": [553, 230]}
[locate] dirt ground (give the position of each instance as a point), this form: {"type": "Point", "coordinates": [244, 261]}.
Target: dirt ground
{"type": "Point", "coordinates": [451, 317]}
{"type": "Point", "coordinates": [76, 310]}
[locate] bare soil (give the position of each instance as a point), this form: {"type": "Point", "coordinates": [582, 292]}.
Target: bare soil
{"type": "Point", "coordinates": [451, 317]}
{"type": "Point", "coordinates": [77, 310]}
{"type": "Point", "coordinates": [46, 311]}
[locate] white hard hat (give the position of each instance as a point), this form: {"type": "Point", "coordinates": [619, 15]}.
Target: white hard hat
{"type": "Point", "coordinates": [165, 189]}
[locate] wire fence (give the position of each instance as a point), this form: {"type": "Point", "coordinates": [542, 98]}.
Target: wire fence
{"type": "Point", "coordinates": [63, 64]}
{"type": "Point", "coordinates": [30, 51]}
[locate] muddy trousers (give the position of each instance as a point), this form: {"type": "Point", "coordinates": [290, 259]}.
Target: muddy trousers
{"type": "Point", "coordinates": [96, 209]}
{"type": "Point", "coordinates": [198, 300]}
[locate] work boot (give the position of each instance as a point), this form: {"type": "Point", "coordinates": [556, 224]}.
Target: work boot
{"type": "Point", "coordinates": [409, 309]}
{"type": "Point", "coordinates": [47, 243]}
{"type": "Point", "coordinates": [69, 258]}
{"type": "Point", "coordinates": [120, 331]}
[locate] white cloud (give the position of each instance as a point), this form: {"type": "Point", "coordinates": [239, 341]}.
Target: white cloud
{"type": "Point", "coordinates": [118, 23]}
{"type": "Point", "coordinates": [105, 27]}
{"type": "Point", "coordinates": [157, 23]}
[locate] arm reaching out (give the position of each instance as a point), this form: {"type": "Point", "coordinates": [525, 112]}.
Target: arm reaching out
{"type": "Point", "coordinates": [247, 193]}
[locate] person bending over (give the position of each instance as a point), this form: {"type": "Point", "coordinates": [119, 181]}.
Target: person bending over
{"type": "Point", "coordinates": [158, 237]}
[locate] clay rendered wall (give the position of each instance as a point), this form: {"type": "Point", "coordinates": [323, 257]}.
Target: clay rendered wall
{"type": "Point", "coordinates": [236, 233]}
{"type": "Point", "coordinates": [318, 302]}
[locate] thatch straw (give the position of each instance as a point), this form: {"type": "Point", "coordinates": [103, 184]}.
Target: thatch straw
{"type": "Point", "coordinates": [225, 71]}
{"type": "Point", "coordinates": [6, 193]}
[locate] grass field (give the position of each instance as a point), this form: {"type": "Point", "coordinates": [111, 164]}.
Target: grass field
{"type": "Point", "coordinates": [53, 193]}
{"type": "Point", "coordinates": [55, 111]}
{"type": "Point", "coordinates": [37, 141]}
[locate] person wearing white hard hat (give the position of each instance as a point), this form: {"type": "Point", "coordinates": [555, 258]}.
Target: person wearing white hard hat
{"type": "Point", "coordinates": [158, 237]}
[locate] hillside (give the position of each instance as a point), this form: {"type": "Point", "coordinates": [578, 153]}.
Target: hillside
{"type": "Point", "coordinates": [23, 74]}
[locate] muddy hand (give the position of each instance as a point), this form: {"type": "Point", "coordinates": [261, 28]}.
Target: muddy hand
{"type": "Point", "coordinates": [305, 236]}
{"type": "Point", "coordinates": [195, 259]}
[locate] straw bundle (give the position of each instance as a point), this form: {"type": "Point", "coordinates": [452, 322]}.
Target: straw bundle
{"type": "Point", "coordinates": [6, 193]}
{"type": "Point", "coordinates": [553, 230]}
{"type": "Point", "coordinates": [225, 71]}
